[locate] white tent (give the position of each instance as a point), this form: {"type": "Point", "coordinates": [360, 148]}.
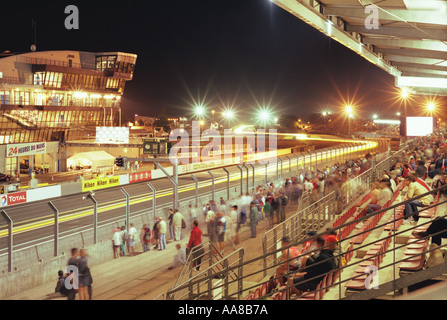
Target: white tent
{"type": "Point", "coordinates": [95, 159]}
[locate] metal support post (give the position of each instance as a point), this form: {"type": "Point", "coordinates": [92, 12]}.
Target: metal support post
{"type": "Point", "coordinates": [127, 208]}
{"type": "Point", "coordinates": [242, 179]}
{"type": "Point", "coordinates": [196, 189]}
{"type": "Point", "coordinates": [212, 185]}
{"type": "Point", "coordinates": [228, 183]}
{"type": "Point", "coordinates": [154, 199]}
{"type": "Point", "coordinates": [253, 177]}
{"type": "Point", "coordinates": [248, 176]}
{"type": "Point", "coordinates": [56, 228]}
{"type": "Point", "coordinates": [10, 239]}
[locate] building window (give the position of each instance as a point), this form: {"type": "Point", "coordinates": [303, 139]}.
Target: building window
{"type": "Point", "coordinates": [4, 97]}
{"type": "Point", "coordinates": [21, 98]}
{"type": "Point", "coordinates": [53, 79]}
{"type": "Point", "coordinates": [38, 78]}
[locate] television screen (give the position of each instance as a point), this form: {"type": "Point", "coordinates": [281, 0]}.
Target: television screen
{"type": "Point", "coordinates": [112, 134]}
{"type": "Point", "coordinates": [419, 126]}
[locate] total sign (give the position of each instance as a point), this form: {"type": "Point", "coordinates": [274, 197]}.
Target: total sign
{"type": "Point", "coordinates": [13, 198]}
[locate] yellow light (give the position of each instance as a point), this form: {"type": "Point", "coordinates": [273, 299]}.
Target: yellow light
{"type": "Point", "coordinates": [348, 110]}
{"type": "Point", "coordinates": [202, 123]}
{"type": "Point", "coordinates": [431, 106]}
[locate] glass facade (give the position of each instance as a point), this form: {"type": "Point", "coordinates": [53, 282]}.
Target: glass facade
{"type": "Point", "coordinates": [50, 100]}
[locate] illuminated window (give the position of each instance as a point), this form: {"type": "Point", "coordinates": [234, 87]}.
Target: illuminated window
{"type": "Point", "coordinates": [21, 98]}
{"type": "Point", "coordinates": [38, 78]}
{"type": "Point", "coordinates": [4, 97]}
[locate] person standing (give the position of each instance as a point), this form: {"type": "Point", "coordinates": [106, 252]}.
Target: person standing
{"type": "Point", "coordinates": [132, 239]}
{"type": "Point", "coordinates": [85, 277]}
{"type": "Point", "coordinates": [195, 245]}
{"type": "Point", "coordinates": [221, 225]}
{"type": "Point", "coordinates": [156, 232]}
{"type": "Point", "coordinates": [146, 238]}
{"type": "Point", "coordinates": [253, 219]}
{"type": "Point", "coordinates": [235, 218]}
{"type": "Point", "coordinates": [123, 240]}
{"type": "Point", "coordinates": [72, 272]}
{"type": "Point", "coordinates": [177, 221]}
{"type": "Point", "coordinates": [162, 230]}
{"type": "Point", "coordinates": [268, 214]}
{"type": "Point", "coordinates": [116, 242]}
{"type": "Point", "coordinates": [171, 227]}
{"type": "Point", "coordinates": [210, 220]}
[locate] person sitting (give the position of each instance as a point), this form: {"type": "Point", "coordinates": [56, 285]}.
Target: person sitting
{"type": "Point", "coordinates": [385, 195]}
{"type": "Point", "coordinates": [416, 187]}
{"type": "Point", "coordinates": [290, 260]}
{"type": "Point", "coordinates": [61, 291]}
{"type": "Point", "coordinates": [316, 268]}
{"type": "Point", "coordinates": [437, 231]}
{"type": "Point", "coordinates": [179, 258]}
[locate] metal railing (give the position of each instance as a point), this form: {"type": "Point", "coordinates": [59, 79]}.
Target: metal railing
{"type": "Point", "coordinates": [259, 289]}
{"type": "Point", "coordinates": [220, 268]}
{"type": "Point", "coordinates": [269, 172]}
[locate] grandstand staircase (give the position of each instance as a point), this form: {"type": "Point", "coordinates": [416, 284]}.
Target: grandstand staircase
{"type": "Point", "coordinates": [401, 283]}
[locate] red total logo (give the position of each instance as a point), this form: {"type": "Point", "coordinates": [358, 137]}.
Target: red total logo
{"type": "Point", "coordinates": [16, 197]}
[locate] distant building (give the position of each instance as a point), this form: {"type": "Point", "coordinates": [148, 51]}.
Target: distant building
{"type": "Point", "coordinates": [53, 96]}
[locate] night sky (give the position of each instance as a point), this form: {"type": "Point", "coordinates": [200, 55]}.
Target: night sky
{"type": "Point", "coordinates": [240, 53]}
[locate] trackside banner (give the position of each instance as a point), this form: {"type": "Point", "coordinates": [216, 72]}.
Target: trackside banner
{"type": "Point", "coordinates": [103, 183]}
{"type": "Point", "coordinates": [25, 149]}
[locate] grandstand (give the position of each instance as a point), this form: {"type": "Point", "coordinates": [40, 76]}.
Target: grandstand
{"type": "Point", "coordinates": [381, 257]}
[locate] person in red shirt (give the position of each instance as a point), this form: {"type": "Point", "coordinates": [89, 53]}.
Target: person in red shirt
{"type": "Point", "coordinates": [195, 245]}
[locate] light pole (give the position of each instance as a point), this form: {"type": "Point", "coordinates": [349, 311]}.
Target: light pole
{"type": "Point", "coordinates": [95, 215]}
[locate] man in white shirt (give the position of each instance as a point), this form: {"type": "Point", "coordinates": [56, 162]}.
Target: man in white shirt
{"type": "Point", "coordinates": [132, 238]}
{"type": "Point", "coordinates": [117, 237]}
{"type": "Point", "coordinates": [177, 224]}
{"type": "Point", "coordinates": [162, 229]}
{"type": "Point", "coordinates": [416, 187]}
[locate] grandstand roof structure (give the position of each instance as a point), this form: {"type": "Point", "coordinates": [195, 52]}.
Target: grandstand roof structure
{"type": "Point", "coordinates": [406, 38]}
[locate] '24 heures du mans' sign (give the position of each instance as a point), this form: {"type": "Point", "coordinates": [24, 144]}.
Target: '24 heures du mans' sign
{"type": "Point", "coordinates": [25, 149]}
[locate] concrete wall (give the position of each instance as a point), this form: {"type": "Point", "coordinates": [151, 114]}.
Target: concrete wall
{"type": "Point", "coordinates": [36, 265]}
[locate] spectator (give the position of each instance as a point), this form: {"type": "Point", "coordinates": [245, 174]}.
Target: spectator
{"type": "Point", "coordinates": [289, 257]}
{"type": "Point", "coordinates": [195, 245]}
{"type": "Point", "coordinates": [123, 240]}
{"type": "Point", "coordinates": [177, 221]}
{"type": "Point", "coordinates": [383, 197]}
{"type": "Point", "coordinates": [61, 291]}
{"type": "Point", "coordinates": [284, 202]}
{"type": "Point", "coordinates": [73, 272]}
{"type": "Point", "coordinates": [421, 170]}
{"type": "Point", "coordinates": [85, 277]}
{"type": "Point", "coordinates": [210, 225]}
{"type": "Point", "coordinates": [437, 230]}
{"type": "Point", "coordinates": [268, 214]}
{"type": "Point", "coordinates": [146, 238]}
{"type": "Point", "coordinates": [253, 219]}
{"type": "Point", "coordinates": [317, 266]}
{"type": "Point", "coordinates": [440, 182]}
{"type": "Point", "coordinates": [117, 238]}
{"type": "Point", "coordinates": [235, 218]}
{"type": "Point", "coordinates": [179, 258]}
{"type": "Point", "coordinates": [156, 233]}
{"type": "Point", "coordinates": [132, 239]}
{"type": "Point", "coordinates": [221, 226]}
{"type": "Point", "coordinates": [416, 187]}
{"type": "Point", "coordinates": [162, 231]}
{"type": "Point", "coordinates": [171, 227]}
